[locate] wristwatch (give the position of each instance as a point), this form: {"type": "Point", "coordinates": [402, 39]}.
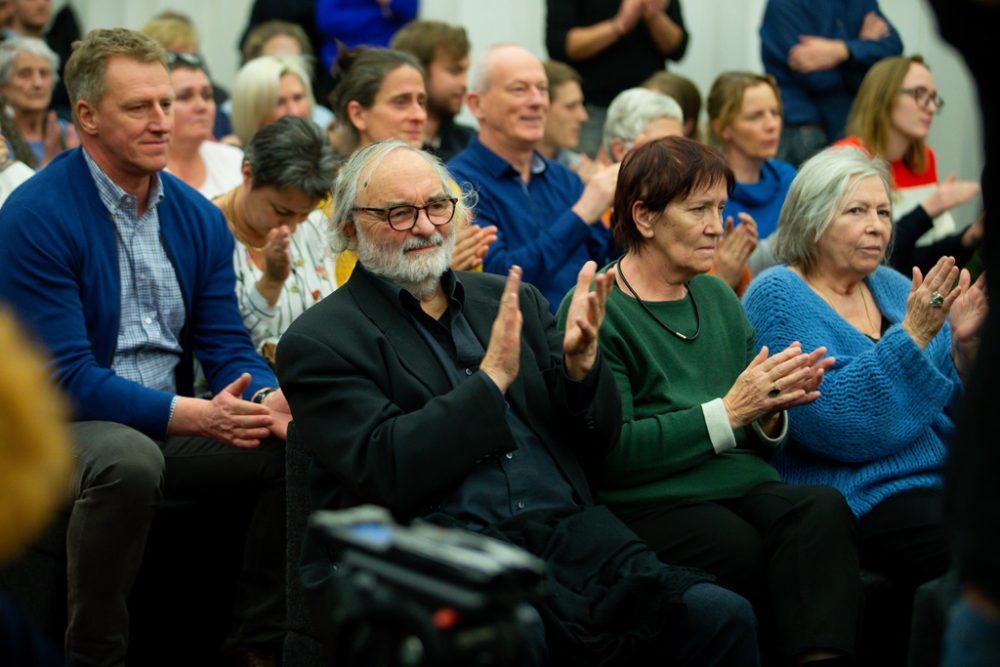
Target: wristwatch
{"type": "Point", "coordinates": [261, 394]}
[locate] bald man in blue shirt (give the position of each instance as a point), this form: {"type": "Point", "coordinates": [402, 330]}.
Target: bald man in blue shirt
{"type": "Point", "coordinates": [548, 221]}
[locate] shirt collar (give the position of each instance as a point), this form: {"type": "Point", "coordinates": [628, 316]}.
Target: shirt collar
{"type": "Point", "coordinates": [452, 286]}
{"type": "Point", "coordinates": [496, 166]}
{"type": "Point", "coordinates": [112, 195]}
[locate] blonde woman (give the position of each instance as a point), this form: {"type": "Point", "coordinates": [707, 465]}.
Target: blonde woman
{"type": "Point", "coordinates": [269, 87]}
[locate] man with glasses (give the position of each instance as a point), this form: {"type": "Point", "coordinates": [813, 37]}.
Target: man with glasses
{"type": "Point", "coordinates": [452, 395]}
{"type": "Point", "coordinates": [819, 52]}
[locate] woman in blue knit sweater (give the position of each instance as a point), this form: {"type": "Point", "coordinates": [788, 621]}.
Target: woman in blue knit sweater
{"type": "Point", "coordinates": [879, 432]}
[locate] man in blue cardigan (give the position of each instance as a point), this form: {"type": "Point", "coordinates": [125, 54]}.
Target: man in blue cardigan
{"type": "Point", "coordinates": [126, 276]}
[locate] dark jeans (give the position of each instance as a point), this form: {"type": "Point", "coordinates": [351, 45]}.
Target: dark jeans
{"type": "Point", "coordinates": [790, 550]}
{"type": "Point", "coordinates": [121, 477]}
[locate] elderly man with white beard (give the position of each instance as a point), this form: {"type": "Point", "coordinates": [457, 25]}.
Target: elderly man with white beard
{"type": "Point", "coordinates": [452, 396]}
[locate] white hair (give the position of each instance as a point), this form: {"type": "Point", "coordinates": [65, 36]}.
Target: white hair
{"type": "Point", "coordinates": [635, 108]}
{"type": "Point", "coordinates": [355, 175]}
{"type": "Point", "coordinates": [479, 72]}
{"type": "Point", "coordinates": [15, 46]}
{"type": "Point", "coordinates": [823, 182]}
{"type": "Point", "coordinates": [418, 276]}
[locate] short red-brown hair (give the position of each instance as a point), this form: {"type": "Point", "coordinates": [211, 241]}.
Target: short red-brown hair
{"type": "Point", "coordinates": [660, 172]}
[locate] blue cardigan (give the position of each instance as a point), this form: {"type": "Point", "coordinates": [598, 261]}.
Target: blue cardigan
{"type": "Point", "coordinates": [59, 271]}
{"type": "Point", "coordinates": [882, 422]}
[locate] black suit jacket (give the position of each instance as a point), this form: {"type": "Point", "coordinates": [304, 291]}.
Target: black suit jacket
{"type": "Point", "coordinates": [374, 406]}
{"type": "Point", "coordinates": [372, 403]}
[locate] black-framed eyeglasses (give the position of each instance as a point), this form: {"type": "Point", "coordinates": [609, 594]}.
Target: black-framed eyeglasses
{"type": "Point", "coordinates": [193, 60]}
{"type": "Point", "coordinates": [403, 218]}
{"type": "Point", "coordinates": [924, 97]}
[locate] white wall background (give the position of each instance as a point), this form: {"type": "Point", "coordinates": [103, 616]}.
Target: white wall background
{"type": "Point", "coordinates": [723, 36]}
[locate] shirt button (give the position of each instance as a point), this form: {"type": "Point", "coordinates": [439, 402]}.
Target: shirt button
{"type": "Point", "coordinates": [148, 320]}
{"type": "Point", "coordinates": [142, 276]}
{"type": "Point", "coordinates": [468, 371]}
{"type": "Point", "coordinates": [509, 455]}
{"type": "Point", "coordinates": [520, 504]}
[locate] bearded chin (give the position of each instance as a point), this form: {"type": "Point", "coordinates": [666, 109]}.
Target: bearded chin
{"type": "Point", "coordinates": [417, 274]}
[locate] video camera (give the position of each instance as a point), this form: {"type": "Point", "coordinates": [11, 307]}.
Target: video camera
{"type": "Point", "coordinates": [423, 594]}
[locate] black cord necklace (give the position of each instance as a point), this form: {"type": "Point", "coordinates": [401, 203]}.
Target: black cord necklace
{"type": "Point", "coordinates": [697, 315]}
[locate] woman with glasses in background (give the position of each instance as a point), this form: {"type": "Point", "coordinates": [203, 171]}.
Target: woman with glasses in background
{"type": "Point", "coordinates": [208, 166]}
{"type": "Point", "coordinates": [891, 118]}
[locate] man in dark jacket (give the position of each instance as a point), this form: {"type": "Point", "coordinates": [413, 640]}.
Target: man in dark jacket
{"type": "Point", "coordinates": [453, 396]}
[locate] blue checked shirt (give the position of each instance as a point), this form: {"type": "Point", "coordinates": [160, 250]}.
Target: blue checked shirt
{"type": "Point", "coordinates": [152, 307]}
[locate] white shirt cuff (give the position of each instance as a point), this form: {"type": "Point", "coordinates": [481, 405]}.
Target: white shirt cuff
{"type": "Point", "coordinates": [717, 422]}
{"type": "Point", "coordinates": [767, 440]}
{"type": "Point", "coordinates": [173, 406]}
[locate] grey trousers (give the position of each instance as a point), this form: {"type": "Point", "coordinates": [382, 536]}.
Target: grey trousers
{"type": "Point", "coordinates": [121, 477]}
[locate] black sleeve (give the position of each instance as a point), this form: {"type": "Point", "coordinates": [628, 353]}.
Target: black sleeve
{"type": "Point", "coordinates": [927, 256]}
{"type": "Point", "coordinates": [906, 231]}
{"type": "Point", "coordinates": [560, 18]}
{"type": "Point", "coordinates": [675, 14]}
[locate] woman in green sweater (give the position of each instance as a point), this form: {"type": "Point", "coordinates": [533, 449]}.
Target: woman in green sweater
{"type": "Point", "coordinates": [703, 412]}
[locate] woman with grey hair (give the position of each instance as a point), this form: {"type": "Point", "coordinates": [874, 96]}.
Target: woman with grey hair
{"type": "Point", "coordinates": [638, 115]}
{"type": "Point", "coordinates": [282, 263]}
{"type": "Point", "coordinates": [880, 430]}
{"type": "Point", "coordinates": [28, 75]}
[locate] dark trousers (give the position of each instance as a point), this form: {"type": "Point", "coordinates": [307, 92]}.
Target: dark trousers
{"type": "Point", "coordinates": [121, 477]}
{"type": "Point", "coordinates": [790, 550]}
{"type": "Point", "coordinates": [608, 599]}
{"type": "Point", "coordinates": [904, 539]}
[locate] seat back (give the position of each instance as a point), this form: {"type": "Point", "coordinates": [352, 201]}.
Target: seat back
{"type": "Point", "coordinates": [302, 649]}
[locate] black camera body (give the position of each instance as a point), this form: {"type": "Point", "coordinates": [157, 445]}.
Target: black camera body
{"type": "Point", "coordinates": [423, 594]}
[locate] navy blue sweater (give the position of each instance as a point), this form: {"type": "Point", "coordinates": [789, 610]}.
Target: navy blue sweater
{"type": "Point", "coordinates": [59, 271]}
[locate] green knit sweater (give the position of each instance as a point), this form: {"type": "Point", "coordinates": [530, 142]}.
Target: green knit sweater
{"type": "Point", "coordinates": [664, 454]}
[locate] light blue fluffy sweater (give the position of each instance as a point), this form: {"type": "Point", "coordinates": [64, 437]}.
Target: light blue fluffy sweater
{"type": "Point", "coordinates": [882, 423]}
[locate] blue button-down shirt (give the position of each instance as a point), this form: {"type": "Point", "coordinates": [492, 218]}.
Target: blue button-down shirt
{"type": "Point", "coordinates": [537, 230]}
{"type": "Point", "coordinates": [152, 307]}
